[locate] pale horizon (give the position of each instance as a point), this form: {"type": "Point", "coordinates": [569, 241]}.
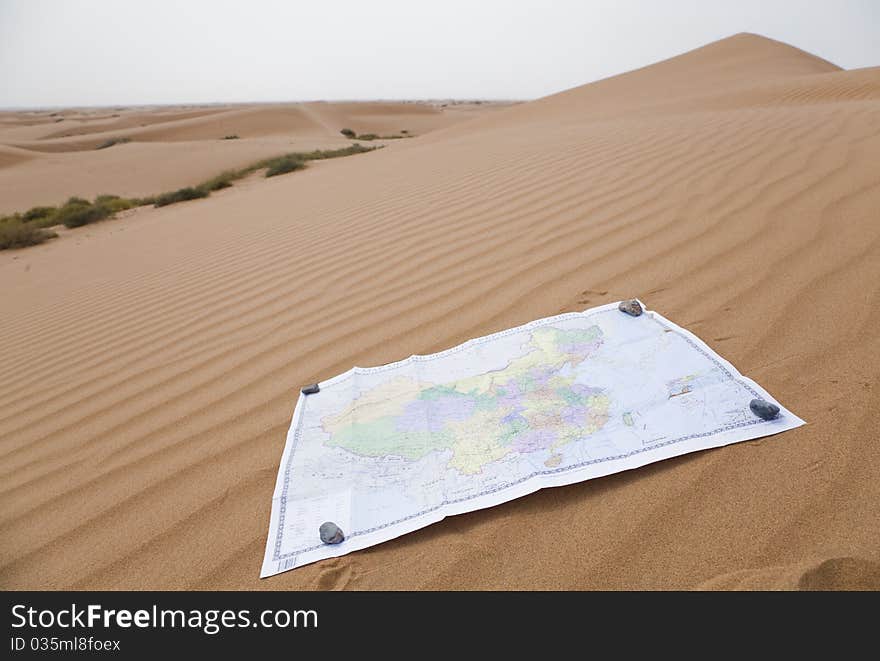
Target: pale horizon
{"type": "Point", "coordinates": [130, 53]}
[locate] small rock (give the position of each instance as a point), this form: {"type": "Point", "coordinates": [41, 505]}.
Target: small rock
{"type": "Point", "coordinates": [331, 533]}
{"type": "Point", "coordinates": [311, 389]}
{"type": "Point", "coordinates": [632, 307]}
{"type": "Point", "coordinates": [763, 409]}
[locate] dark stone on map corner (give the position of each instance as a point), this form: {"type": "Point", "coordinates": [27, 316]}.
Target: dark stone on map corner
{"type": "Point", "coordinates": [311, 390]}
{"type": "Point", "coordinates": [764, 409]}
{"type": "Point", "coordinates": [632, 307]}
{"type": "Point", "coordinates": [331, 533]}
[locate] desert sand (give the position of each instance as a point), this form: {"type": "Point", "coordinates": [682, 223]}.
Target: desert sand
{"type": "Point", "coordinates": [50, 155]}
{"type": "Point", "coordinates": [150, 365]}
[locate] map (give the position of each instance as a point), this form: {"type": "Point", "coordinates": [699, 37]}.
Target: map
{"type": "Point", "coordinates": [386, 450]}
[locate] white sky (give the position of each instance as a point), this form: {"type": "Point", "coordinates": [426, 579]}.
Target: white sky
{"type": "Point", "coordinates": [108, 52]}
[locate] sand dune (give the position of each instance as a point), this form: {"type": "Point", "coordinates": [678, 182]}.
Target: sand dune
{"type": "Point", "coordinates": [150, 365]}
{"type": "Point", "coordinates": [131, 119]}
{"type": "Point", "coordinates": [171, 148]}
{"type": "Point", "coordinates": [135, 169]}
{"type": "Point", "coordinates": [10, 156]}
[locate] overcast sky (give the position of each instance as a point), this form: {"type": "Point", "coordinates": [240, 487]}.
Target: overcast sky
{"type": "Point", "coordinates": [108, 52]}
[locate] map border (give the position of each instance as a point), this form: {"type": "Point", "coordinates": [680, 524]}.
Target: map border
{"type": "Point", "coordinates": [276, 562]}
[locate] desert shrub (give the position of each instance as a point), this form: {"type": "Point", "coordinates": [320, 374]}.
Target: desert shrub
{"type": "Point", "coordinates": [74, 209]}
{"type": "Point", "coordinates": [113, 141]}
{"type": "Point", "coordinates": [91, 214]}
{"type": "Point", "coordinates": [324, 154]}
{"type": "Point", "coordinates": [15, 234]}
{"type": "Point", "coordinates": [284, 165]}
{"type": "Point", "coordinates": [83, 215]}
{"type": "Point", "coordinates": [180, 195]}
{"type": "Point", "coordinates": [348, 133]}
{"type": "Point", "coordinates": [37, 214]}
{"type": "Point", "coordinates": [77, 211]}
{"type": "Point", "coordinates": [367, 136]}
{"type": "Point", "coordinates": [230, 137]}
{"type": "Point", "coordinates": [221, 181]}
{"type": "Point", "coordinates": [115, 203]}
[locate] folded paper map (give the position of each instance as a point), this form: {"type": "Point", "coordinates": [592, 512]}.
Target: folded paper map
{"type": "Point", "coordinates": [383, 451]}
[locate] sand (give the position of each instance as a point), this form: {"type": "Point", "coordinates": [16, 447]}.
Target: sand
{"type": "Point", "coordinates": [48, 156]}
{"type": "Point", "coordinates": [149, 365]}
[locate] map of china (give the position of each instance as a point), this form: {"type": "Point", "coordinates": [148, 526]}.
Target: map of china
{"type": "Point", "coordinates": [531, 405]}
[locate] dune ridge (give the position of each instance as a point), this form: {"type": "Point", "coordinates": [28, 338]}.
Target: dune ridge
{"type": "Point", "coordinates": [46, 157]}
{"type": "Point", "coordinates": [150, 365]}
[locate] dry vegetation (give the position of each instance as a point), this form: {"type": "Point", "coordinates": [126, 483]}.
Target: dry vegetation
{"type": "Point", "coordinates": [30, 227]}
{"type": "Point", "coordinates": [368, 137]}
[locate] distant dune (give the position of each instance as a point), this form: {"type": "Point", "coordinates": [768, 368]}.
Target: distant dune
{"type": "Point", "coordinates": [150, 364]}
{"type": "Point", "coordinates": [168, 148]}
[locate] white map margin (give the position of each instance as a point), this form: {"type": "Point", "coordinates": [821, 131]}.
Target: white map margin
{"type": "Point", "coordinates": [786, 420]}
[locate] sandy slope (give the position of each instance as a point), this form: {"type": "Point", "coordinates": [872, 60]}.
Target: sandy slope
{"type": "Point", "coordinates": [45, 157]}
{"type": "Point", "coordinates": [150, 365]}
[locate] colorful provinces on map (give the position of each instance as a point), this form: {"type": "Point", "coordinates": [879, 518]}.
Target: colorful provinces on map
{"type": "Point", "coordinates": [533, 404]}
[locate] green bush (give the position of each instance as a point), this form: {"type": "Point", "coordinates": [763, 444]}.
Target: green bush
{"type": "Point", "coordinates": [180, 195]}
{"type": "Point", "coordinates": [115, 203]}
{"type": "Point", "coordinates": [348, 133]}
{"type": "Point", "coordinates": [79, 216]}
{"type": "Point", "coordinates": [284, 165]}
{"type": "Point", "coordinates": [221, 181]}
{"type": "Point", "coordinates": [372, 136]}
{"type": "Point", "coordinates": [74, 209]}
{"type": "Point", "coordinates": [37, 213]}
{"type": "Point", "coordinates": [324, 154]}
{"type": "Point", "coordinates": [230, 137]}
{"type": "Point", "coordinates": [77, 212]}
{"type": "Point", "coordinates": [15, 234]}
